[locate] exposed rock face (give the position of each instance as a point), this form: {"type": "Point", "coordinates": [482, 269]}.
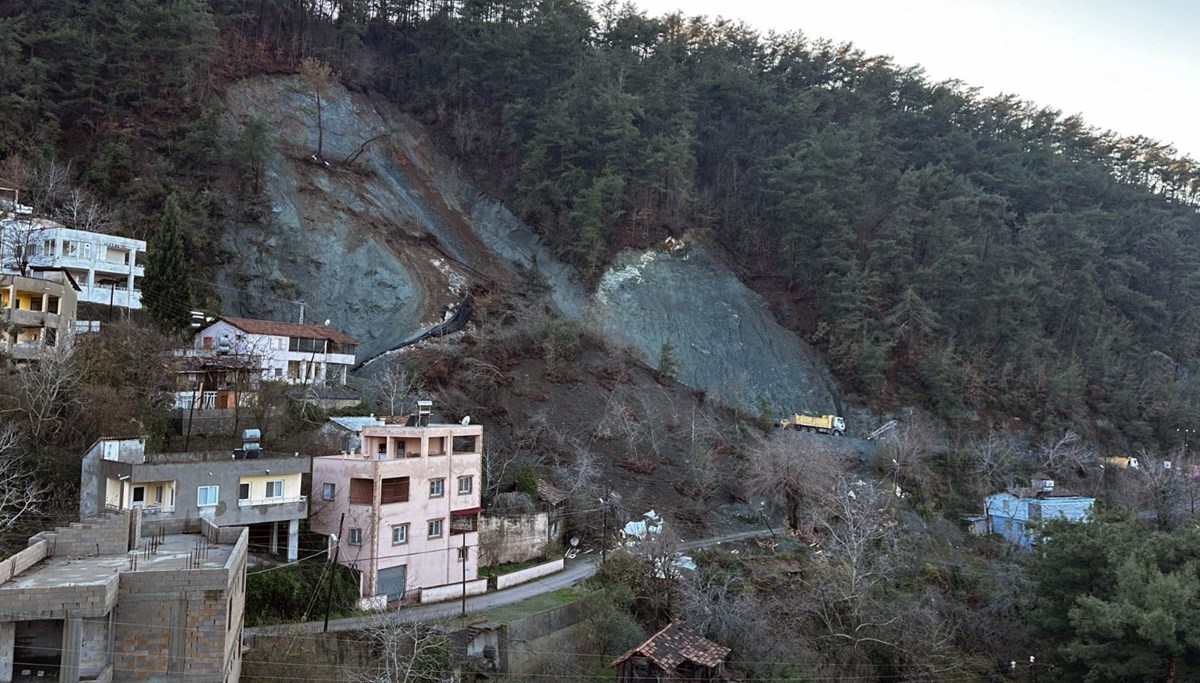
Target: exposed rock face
{"type": "Point", "coordinates": [380, 237]}
{"type": "Point", "coordinates": [726, 339]}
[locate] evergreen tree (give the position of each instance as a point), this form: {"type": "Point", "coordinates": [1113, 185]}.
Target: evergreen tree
{"type": "Point", "coordinates": [167, 288]}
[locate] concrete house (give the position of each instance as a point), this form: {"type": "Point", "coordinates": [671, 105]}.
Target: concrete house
{"type": "Point", "coordinates": [310, 355]}
{"type": "Point", "coordinates": [674, 654]}
{"type": "Point", "coordinates": [1012, 513]}
{"type": "Point", "coordinates": [98, 601]}
{"type": "Point", "coordinates": [407, 505]}
{"type": "Point", "coordinates": [37, 313]}
{"type": "Point", "coordinates": [106, 267]}
{"type": "Point", "coordinates": [260, 490]}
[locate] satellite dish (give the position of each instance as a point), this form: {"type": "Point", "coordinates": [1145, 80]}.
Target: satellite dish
{"type": "Point", "coordinates": [574, 541]}
{"type": "Point", "coordinates": [327, 322]}
{"type": "Point", "coordinates": [466, 420]}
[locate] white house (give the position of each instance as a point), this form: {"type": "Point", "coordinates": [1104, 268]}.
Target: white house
{"type": "Point", "coordinates": [288, 352]}
{"type": "Point", "coordinates": [106, 267]}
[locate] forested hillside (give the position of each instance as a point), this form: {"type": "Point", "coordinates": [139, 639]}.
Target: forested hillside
{"type": "Point", "coordinates": [973, 253]}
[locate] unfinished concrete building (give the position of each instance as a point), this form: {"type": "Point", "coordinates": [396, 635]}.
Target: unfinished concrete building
{"type": "Point", "coordinates": [97, 601]}
{"type": "Point", "coordinates": [257, 489]}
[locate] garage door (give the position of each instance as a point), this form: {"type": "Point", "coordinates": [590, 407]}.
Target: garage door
{"type": "Point", "coordinates": [391, 581]}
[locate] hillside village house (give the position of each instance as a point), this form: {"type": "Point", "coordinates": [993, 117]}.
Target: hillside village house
{"type": "Point", "coordinates": [675, 654]}
{"type": "Point", "coordinates": [37, 313]}
{"type": "Point", "coordinates": [411, 501]}
{"type": "Point", "coordinates": [260, 490]}
{"type": "Point", "coordinates": [106, 267]}
{"type": "Point", "coordinates": [1011, 513]}
{"type": "Point", "coordinates": [107, 599]}
{"type": "Point", "coordinates": [300, 354]}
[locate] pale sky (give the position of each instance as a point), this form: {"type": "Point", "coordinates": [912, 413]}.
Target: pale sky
{"type": "Point", "coordinates": [1132, 66]}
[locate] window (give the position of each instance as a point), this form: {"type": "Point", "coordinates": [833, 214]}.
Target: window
{"type": "Point", "coordinates": [437, 488]}
{"type": "Point", "coordinates": [275, 489]}
{"type": "Point", "coordinates": [206, 343]}
{"type": "Point", "coordinates": [362, 491]}
{"type": "Point", "coordinates": [244, 491]}
{"type": "Point", "coordinates": [293, 369]}
{"type": "Point", "coordinates": [399, 534]}
{"type": "Point", "coordinates": [206, 496]}
{"type": "Point", "coordinates": [328, 489]}
{"type": "Point", "coordinates": [393, 490]}
{"type": "Point", "coordinates": [435, 528]}
{"type": "Point", "coordinates": [158, 494]}
{"type": "Point", "coordinates": [278, 373]}
{"type": "Point", "coordinates": [139, 494]}
{"type": "Point", "coordinates": [355, 536]}
{"type": "Point", "coordinates": [463, 554]}
{"type": "Point", "coordinates": [465, 484]}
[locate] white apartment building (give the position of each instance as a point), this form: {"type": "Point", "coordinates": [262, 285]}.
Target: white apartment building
{"type": "Point", "coordinates": [106, 267]}
{"type": "Point", "coordinates": [301, 354]}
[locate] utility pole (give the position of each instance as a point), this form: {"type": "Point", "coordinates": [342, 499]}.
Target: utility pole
{"type": "Point", "coordinates": [464, 570]}
{"type": "Point", "coordinates": [337, 549]}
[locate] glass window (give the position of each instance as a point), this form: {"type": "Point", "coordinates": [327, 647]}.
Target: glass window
{"type": "Point", "coordinates": [244, 491]}
{"type": "Point", "coordinates": [465, 484]}
{"type": "Point", "coordinates": [139, 494]}
{"type": "Point", "coordinates": [275, 489]}
{"type": "Point", "coordinates": [399, 534]}
{"type": "Point", "coordinates": [206, 496]}
{"type": "Point", "coordinates": [435, 528]}
{"type": "Point", "coordinates": [355, 536]}
{"type": "Point", "coordinates": [328, 489]}
{"type": "Point", "coordinates": [437, 488]}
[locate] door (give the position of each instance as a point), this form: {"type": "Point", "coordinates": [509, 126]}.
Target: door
{"type": "Point", "coordinates": [392, 580]}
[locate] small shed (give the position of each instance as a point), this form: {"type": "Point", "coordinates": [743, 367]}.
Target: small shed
{"type": "Point", "coordinates": [676, 654]}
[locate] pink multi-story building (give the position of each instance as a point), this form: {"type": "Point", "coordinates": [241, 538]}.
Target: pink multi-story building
{"type": "Point", "coordinates": [411, 502]}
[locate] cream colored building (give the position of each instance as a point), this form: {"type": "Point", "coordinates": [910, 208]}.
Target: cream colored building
{"type": "Point", "coordinates": [37, 313]}
{"type": "Point", "coordinates": [408, 504]}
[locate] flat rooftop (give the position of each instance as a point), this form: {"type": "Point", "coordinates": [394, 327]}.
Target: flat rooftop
{"type": "Point", "coordinates": [174, 554]}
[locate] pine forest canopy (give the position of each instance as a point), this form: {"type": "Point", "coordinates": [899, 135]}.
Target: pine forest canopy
{"type": "Point", "coordinates": [984, 253]}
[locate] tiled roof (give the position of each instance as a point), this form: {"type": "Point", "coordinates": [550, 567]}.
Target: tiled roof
{"type": "Point", "coordinates": [676, 644]}
{"type": "Point", "coordinates": [550, 493]}
{"type": "Point", "coordinates": [278, 329]}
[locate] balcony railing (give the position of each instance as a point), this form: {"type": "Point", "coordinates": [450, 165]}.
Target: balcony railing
{"type": "Point", "coordinates": [156, 509]}
{"type": "Point", "coordinates": [278, 500]}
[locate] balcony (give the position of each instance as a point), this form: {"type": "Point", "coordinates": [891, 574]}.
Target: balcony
{"type": "Point", "coordinates": [278, 500]}
{"type": "Point", "coordinates": [156, 509]}
{"type": "Point", "coordinates": [26, 318]}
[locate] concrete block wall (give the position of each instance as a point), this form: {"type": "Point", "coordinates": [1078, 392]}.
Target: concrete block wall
{"type": "Point", "coordinates": [23, 560]}
{"type": "Point", "coordinates": [93, 650]}
{"type": "Point", "coordinates": [92, 599]}
{"type": "Point", "coordinates": [105, 535]}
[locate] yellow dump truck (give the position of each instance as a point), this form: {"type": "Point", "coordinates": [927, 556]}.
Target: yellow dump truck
{"type": "Point", "coordinates": [825, 424]}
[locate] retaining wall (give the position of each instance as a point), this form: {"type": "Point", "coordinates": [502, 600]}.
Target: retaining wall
{"type": "Point", "coordinates": [453, 590]}
{"type": "Point", "coordinates": [528, 574]}
{"type": "Point", "coordinates": [24, 560]}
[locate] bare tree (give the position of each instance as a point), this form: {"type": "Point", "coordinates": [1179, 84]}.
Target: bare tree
{"type": "Point", "coordinates": [45, 393]}
{"type": "Point", "coordinates": [20, 492]}
{"type": "Point", "coordinates": [318, 77]}
{"type": "Point", "coordinates": [1163, 485]}
{"type": "Point", "coordinates": [405, 653]}
{"type": "Point", "coordinates": [20, 241]}
{"type": "Point", "coordinates": [396, 386]}
{"type": "Point", "coordinates": [794, 474]}
{"type": "Point", "coordinates": [993, 461]}
{"type": "Point", "coordinates": [81, 211]}
{"type": "Point", "coordinates": [1065, 455]}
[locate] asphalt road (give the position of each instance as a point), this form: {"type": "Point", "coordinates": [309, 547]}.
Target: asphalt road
{"type": "Point", "coordinates": [575, 572]}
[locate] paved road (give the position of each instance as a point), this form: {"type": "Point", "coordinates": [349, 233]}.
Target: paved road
{"type": "Point", "coordinates": [575, 571]}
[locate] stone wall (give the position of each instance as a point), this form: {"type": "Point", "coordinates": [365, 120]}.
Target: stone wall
{"type": "Point", "coordinates": [512, 538]}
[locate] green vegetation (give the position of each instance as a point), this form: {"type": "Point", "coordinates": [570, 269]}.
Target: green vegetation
{"type": "Point", "coordinates": [297, 592]}
{"type": "Point", "coordinates": [167, 288]}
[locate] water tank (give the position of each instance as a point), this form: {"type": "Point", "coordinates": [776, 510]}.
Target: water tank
{"type": "Point", "coordinates": [251, 434]}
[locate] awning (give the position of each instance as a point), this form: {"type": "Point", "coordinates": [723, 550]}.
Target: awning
{"type": "Point", "coordinates": [467, 511]}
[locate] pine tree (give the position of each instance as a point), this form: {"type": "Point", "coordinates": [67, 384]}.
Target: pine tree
{"type": "Point", "coordinates": [167, 287]}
